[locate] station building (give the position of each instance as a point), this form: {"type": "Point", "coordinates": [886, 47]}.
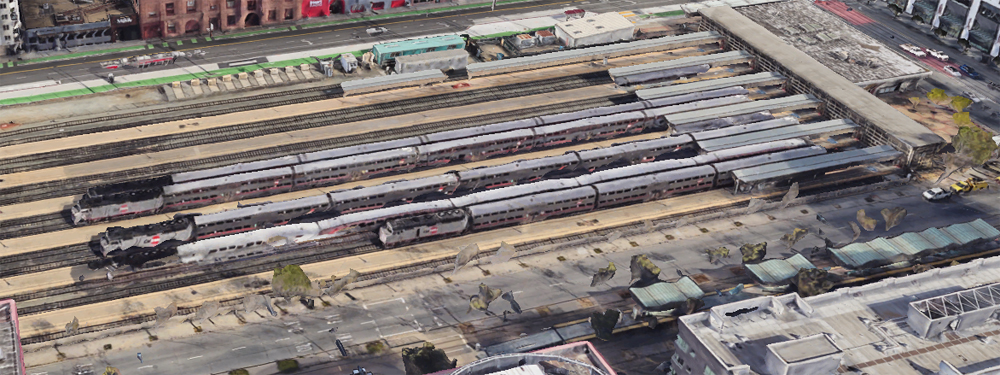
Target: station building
{"type": "Point", "coordinates": [978, 21]}
{"type": "Point", "coordinates": [942, 321]}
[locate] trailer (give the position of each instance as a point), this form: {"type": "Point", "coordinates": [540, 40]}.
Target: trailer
{"type": "Point", "coordinates": [455, 59]}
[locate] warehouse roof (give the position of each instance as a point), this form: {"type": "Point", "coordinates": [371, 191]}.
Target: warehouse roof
{"type": "Point", "coordinates": [882, 251]}
{"type": "Point", "coordinates": [831, 41]}
{"type": "Point", "coordinates": [871, 323]}
{"type": "Point", "coordinates": [778, 271]}
{"type": "Point", "coordinates": [596, 25]}
{"type": "Point", "coordinates": [822, 78]}
{"type": "Point", "coordinates": [749, 80]}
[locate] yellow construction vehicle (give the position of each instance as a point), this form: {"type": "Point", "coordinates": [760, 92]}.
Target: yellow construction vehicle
{"type": "Point", "coordinates": [970, 184]}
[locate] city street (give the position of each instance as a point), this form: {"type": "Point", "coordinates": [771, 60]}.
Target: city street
{"type": "Point", "coordinates": [258, 46]}
{"type": "Point", "coordinates": [549, 289]}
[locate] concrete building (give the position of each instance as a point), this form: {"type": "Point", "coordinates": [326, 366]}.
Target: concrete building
{"type": "Point", "coordinates": [942, 321]}
{"type": "Point", "coordinates": [837, 45]}
{"type": "Point", "coordinates": [10, 26]}
{"type": "Point", "coordinates": [975, 20]}
{"type": "Point", "coordinates": [59, 24]}
{"type": "Point", "coordinates": [579, 358]}
{"type": "Point", "coordinates": [172, 18]}
{"type": "Point", "coordinates": [601, 29]}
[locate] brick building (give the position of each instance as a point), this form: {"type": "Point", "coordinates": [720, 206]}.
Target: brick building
{"type": "Point", "coordinates": [173, 18]}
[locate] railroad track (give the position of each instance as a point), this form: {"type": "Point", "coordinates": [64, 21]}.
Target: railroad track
{"type": "Point", "coordinates": [260, 128]}
{"type": "Point", "coordinates": [44, 260]}
{"type": "Point", "coordinates": [409, 270]}
{"type": "Point", "coordinates": [32, 225]}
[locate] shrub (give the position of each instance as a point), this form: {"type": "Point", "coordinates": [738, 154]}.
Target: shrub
{"type": "Point", "coordinates": [239, 371]}
{"type": "Point", "coordinates": [288, 365]}
{"type": "Point", "coordinates": [374, 347]}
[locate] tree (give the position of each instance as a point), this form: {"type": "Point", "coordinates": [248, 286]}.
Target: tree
{"type": "Point", "coordinates": [753, 252]}
{"type": "Point", "coordinates": [939, 32]}
{"type": "Point", "coordinates": [961, 119]}
{"type": "Point", "coordinates": [895, 9]}
{"type": "Point", "coordinates": [342, 282]}
{"type": "Point", "coordinates": [917, 19]}
{"type": "Point", "coordinates": [165, 313]}
{"type": "Point", "coordinates": [914, 102]}
{"type": "Point", "coordinates": [465, 256]}
{"type": "Point", "coordinates": [938, 96]}
{"type": "Point", "coordinates": [603, 274]}
{"type": "Point", "coordinates": [959, 103]}
{"type": "Point", "coordinates": [974, 142]}
{"type": "Point", "coordinates": [717, 254]}
{"type": "Point", "coordinates": [793, 192]}
{"type": "Point", "coordinates": [73, 327]}
{"type": "Point", "coordinates": [791, 238]}
{"type": "Point", "coordinates": [509, 296]}
{"type": "Point", "coordinates": [865, 221]}
{"type": "Point", "coordinates": [643, 269]}
{"type": "Point", "coordinates": [504, 253]}
{"type": "Point", "coordinates": [964, 43]}
{"type": "Point", "coordinates": [290, 281]}
{"type": "Point", "coordinates": [604, 323]}
{"type": "Point", "coordinates": [812, 281]}
{"type": "Point", "coordinates": [426, 360]}
{"type": "Point", "coordinates": [893, 216]}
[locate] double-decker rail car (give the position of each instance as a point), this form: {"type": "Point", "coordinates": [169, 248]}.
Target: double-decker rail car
{"type": "Point", "coordinates": [409, 229]}
{"type": "Point", "coordinates": [518, 172]}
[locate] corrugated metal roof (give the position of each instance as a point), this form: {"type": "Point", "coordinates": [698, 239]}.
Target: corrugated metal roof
{"type": "Point", "coordinates": [776, 134]}
{"type": "Point", "coordinates": [905, 246]}
{"type": "Point", "coordinates": [778, 271]}
{"type": "Point", "coordinates": [669, 42]}
{"type": "Point", "coordinates": [833, 160]}
{"type": "Point", "coordinates": [749, 80]}
{"type": "Point", "coordinates": [406, 45]}
{"type": "Point", "coordinates": [715, 59]}
{"type": "Point", "coordinates": [663, 293]}
{"type": "Point", "coordinates": [741, 109]}
{"type": "Point", "coordinates": [394, 79]}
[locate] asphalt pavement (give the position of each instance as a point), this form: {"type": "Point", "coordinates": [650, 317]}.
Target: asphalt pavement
{"type": "Point", "coordinates": [258, 46]}
{"type": "Point", "coordinates": [548, 288]}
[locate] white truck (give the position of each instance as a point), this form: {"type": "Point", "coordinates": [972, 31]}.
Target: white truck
{"type": "Point", "coordinates": [914, 50]}
{"type": "Point", "coordinates": [940, 55]}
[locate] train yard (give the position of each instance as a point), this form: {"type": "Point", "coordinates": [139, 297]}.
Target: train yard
{"type": "Point", "coordinates": [202, 202]}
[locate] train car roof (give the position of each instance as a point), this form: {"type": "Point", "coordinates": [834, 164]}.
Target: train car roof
{"type": "Point", "coordinates": [232, 169]}
{"type": "Point", "coordinates": [754, 149]}
{"type": "Point", "coordinates": [831, 160]}
{"type": "Point", "coordinates": [748, 128]}
{"type": "Point", "coordinates": [359, 149]}
{"type": "Point", "coordinates": [400, 153]}
{"type": "Point", "coordinates": [592, 112]}
{"type": "Point", "coordinates": [742, 81]}
{"type": "Point", "coordinates": [599, 153]}
{"type": "Point", "coordinates": [514, 191]}
{"type": "Point", "coordinates": [387, 212]}
{"type": "Point", "coordinates": [163, 226]}
{"type": "Point", "coordinates": [793, 101]}
{"type": "Point", "coordinates": [811, 130]}
{"type": "Point", "coordinates": [696, 96]}
{"type": "Point", "coordinates": [753, 161]}
{"type": "Point", "coordinates": [662, 142]}
{"type": "Point", "coordinates": [634, 170]}
{"type": "Point", "coordinates": [517, 165]}
{"type": "Point", "coordinates": [188, 186]}
{"type": "Point", "coordinates": [521, 202]}
{"type": "Point", "coordinates": [666, 176]}
{"type": "Point", "coordinates": [310, 201]}
{"type": "Point", "coordinates": [341, 195]}
{"type": "Point", "coordinates": [439, 146]}
{"type": "Point", "coordinates": [626, 116]}
{"type": "Point", "coordinates": [476, 131]}
{"type": "Point", "coordinates": [699, 105]}
{"type": "Point", "coordinates": [196, 251]}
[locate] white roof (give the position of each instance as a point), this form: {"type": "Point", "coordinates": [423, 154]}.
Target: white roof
{"type": "Point", "coordinates": [599, 24]}
{"type": "Point", "coordinates": [521, 370]}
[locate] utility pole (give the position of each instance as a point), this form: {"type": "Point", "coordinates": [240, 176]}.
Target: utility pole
{"type": "Point", "coordinates": [494, 6]}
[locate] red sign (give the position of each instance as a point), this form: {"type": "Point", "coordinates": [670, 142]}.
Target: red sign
{"type": "Point", "coordinates": [434, 230]}
{"type": "Point", "coordinates": [123, 208]}
{"type": "Point", "coordinates": [155, 240]}
{"type": "Point", "coordinates": [314, 8]}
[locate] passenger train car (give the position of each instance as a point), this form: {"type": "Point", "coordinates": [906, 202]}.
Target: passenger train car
{"type": "Point", "coordinates": [526, 202]}
{"type": "Point", "coordinates": [188, 190]}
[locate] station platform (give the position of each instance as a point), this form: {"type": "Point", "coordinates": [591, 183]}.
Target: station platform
{"type": "Point", "coordinates": [271, 140]}
{"type": "Point", "coordinates": [42, 207]}
{"type": "Point", "coordinates": [489, 241]}
{"type": "Point", "coordinates": [20, 245]}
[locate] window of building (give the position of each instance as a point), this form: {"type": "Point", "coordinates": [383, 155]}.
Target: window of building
{"type": "Point", "coordinates": [190, 6]}
{"type": "Point", "coordinates": [171, 28]}
{"type": "Point", "coordinates": [230, 20]}
{"type": "Point", "coordinates": [213, 7]}
{"type": "Point", "coordinates": [252, 5]}
{"type": "Point", "coordinates": [170, 9]}
{"type": "Point", "coordinates": [214, 22]}
{"type": "Point", "coordinates": [151, 14]}
{"type": "Point", "coordinates": [683, 346]}
{"type": "Point", "coordinates": [272, 15]}
{"type": "Point", "coordinates": [230, 4]}
{"type": "Point", "coordinates": [3, 17]}
{"type": "Point", "coordinates": [3, 5]}
{"type": "Point", "coordinates": [709, 371]}
{"type": "Point", "coordinates": [6, 27]}
{"type": "Point", "coordinates": [288, 13]}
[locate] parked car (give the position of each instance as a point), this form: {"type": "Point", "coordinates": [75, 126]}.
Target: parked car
{"type": "Point", "coordinates": [376, 30]}
{"type": "Point", "coordinates": [914, 50]}
{"type": "Point", "coordinates": [952, 70]}
{"type": "Point", "coordinates": [936, 194]}
{"type": "Point", "coordinates": [940, 55]}
{"type": "Point", "coordinates": [972, 73]}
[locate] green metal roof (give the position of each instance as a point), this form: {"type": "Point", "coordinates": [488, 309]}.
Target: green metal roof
{"type": "Point", "coordinates": [882, 250]}
{"type": "Point", "coordinates": [778, 271]}
{"type": "Point", "coordinates": [664, 293]}
{"type": "Point", "coordinates": [409, 45]}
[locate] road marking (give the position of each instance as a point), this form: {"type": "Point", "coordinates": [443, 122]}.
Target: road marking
{"type": "Point", "coordinates": [286, 338]}
{"type": "Point", "coordinates": [146, 366]}
{"type": "Point", "coordinates": [443, 338]}
{"type": "Point", "coordinates": [346, 336]}
{"type": "Point", "coordinates": [369, 322]}
{"type": "Point", "coordinates": [400, 299]}
{"type": "Point", "coordinates": [462, 349]}
{"type": "Point", "coordinates": [40, 373]}
{"type": "Point", "coordinates": [397, 334]}
{"type": "Point", "coordinates": [333, 316]}
{"type": "Point", "coordinates": [556, 284]}
{"type": "Point", "coordinates": [195, 357]}
{"type": "Point", "coordinates": [333, 321]}
{"type": "Point", "coordinates": [242, 347]}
